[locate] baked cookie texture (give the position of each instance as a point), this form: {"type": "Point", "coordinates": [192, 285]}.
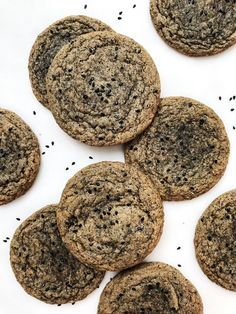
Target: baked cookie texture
{"type": "Point", "coordinates": [184, 151]}
{"type": "Point", "coordinates": [195, 28]}
{"type": "Point", "coordinates": [110, 216]}
{"type": "Point", "coordinates": [19, 156]}
{"type": "Point", "coordinates": [215, 240]}
{"type": "Point", "coordinates": [103, 88]}
{"type": "Point", "coordinates": [44, 267]}
{"type": "Point", "coordinates": [50, 41]}
{"type": "Point", "coordinates": [150, 288]}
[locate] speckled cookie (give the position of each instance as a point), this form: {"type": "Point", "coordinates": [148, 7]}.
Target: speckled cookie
{"type": "Point", "coordinates": [103, 88]}
{"type": "Point", "coordinates": [50, 41]}
{"type": "Point", "coordinates": [19, 156]}
{"type": "Point", "coordinates": [185, 150]}
{"type": "Point", "coordinates": [44, 267]}
{"type": "Point", "coordinates": [215, 241]}
{"type": "Point", "coordinates": [110, 216]}
{"type": "Point", "coordinates": [150, 288]}
{"type": "Point", "coordinates": [196, 28]}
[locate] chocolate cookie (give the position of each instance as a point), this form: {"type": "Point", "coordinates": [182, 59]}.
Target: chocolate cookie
{"type": "Point", "coordinates": [110, 216]}
{"type": "Point", "coordinates": [185, 150]}
{"type": "Point", "coordinates": [44, 267]}
{"type": "Point", "coordinates": [19, 156]}
{"type": "Point", "coordinates": [49, 42]}
{"type": "Point", "coordinates": [196, 28]}
{"type": "Point", "coordinates": [150, 288]}
{"type": "Point", "coordinates": [215, 240]}
{"type": "Point", "coordinates": [103, 88]}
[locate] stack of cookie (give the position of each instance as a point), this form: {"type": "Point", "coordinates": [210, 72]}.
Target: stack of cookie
{"type": "Point", "coordinates": [103, 89]}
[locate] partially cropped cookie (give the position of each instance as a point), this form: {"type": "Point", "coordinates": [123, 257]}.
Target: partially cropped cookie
{"type": "Point", "coordinates": [184, 151]}
{"type": "Point", "coordinates": [196, 28]}
{"type": "Point", "coordinates": [50, 41]}
{"type": "Point", "coordinates": [150, 288]}
{"type": "Point", "coordinates": [103, 88]}
{"type": "Point", "coordinates": [110, 216]}
{"type": "Point", "coordinates": [19, 156]}
{"type": "Point", "coordinates": [44, 267]}
{"type": "Point", "coordinates": [215, 240]}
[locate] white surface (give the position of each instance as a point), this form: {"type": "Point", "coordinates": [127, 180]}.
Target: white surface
{"type": "Point", "coordinates": [204, 79]}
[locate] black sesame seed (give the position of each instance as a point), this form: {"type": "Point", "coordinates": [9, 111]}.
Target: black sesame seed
{"type": "Point", "coordinates": [73, 303]}
{"type": "Point", "coordinates": [179, 265]}
{"type": "Point", "coordinates": [34, 112]}
{"type": "Point", "coordinates": [232, 109]}
{"type": "Point", "coordinates": [90, 157]}
{"type": "Point", "coordinates": [85, 6]}
{"type": "Point", "coordinates": [178, 248]}
{"type": "Point", "coordinates": [52, 143]}
{"type": "Point", "coordinates": [18, 219]}
{"type": "Point", "coordinates": [7, 238]}
{"type": "Point", "coordinates": [119, 18]}
{"type": "Point", "coordinates": [43, 153]}
{"type": "Point", "coordinates": [5, 241]}
{"type": "Point", "coordinates": [73, 163]}
{"type": "Point", "coordinates": [58, 304]}
{"type": "Point", "coordinates": [234, 97]}
{"type": "Point", "coordinates": [234, 128]}
{"type": "Point", "coordinates": [120, 13]}
{"type": "Point", "coordinates": [47, 146]}
{"type": "Point", "coordinates": [67, 168]}
{"type": "Point", "coordinates": [230, 98]}
{"type": "Point", "coordinates": [134, 6]}
{"type": "Point", "coordinates": [220, 97]}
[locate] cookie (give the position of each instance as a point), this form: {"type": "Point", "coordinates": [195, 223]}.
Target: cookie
{"type": "Point", "coordinates": [150, 288]}
{"type": "Point", "coordinates": [196, 28]}
{"type": "Point", "coordinates": [44, 267]}
{"type": "Point", "coordinates": [215, 240]}
{"type": "Point", "coordinates": [50, 41]}
{"type": "Point", "coordinates": [110, 216]}
{"type": "Point", "coordinates": [103, 88]}
{"type": "Point", "coordinates": [185, 150]}
{"type": "Point", "coordinates": [19, 156]}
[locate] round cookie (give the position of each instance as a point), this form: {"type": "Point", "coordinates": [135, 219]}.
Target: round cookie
{"type": "Point", "coordinates": [110, 216]}
{"type": "Point", "coordinates": [215, 240]}
{"type": "Point", "coordinates": [50, 41]}
{"type": "Point", "coordinates": [19, 156]}
{"type": "Point", "coordinates": [184, 151]}
{"type": "Point", "coordinates": [103, 88]}
{"type": "Point", "coordinates": [150, 288]}
{"type": "Point", "coordinates": [196, 28]}
{"type": "Point", "coordinates": [44, 267]}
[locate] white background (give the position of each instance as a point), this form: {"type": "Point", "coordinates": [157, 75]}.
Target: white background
{"type": "Point", "coordinates": [204, 79]}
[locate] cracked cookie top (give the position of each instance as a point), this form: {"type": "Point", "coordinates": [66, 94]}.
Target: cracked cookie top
{"type": "Point", "coordinates": [215, 240]}
{"type": "Point", "coordinates": [150, 288]}
{"type": "Point", "coordinates": [19, 156]}
{"type": "Point", "coordinates": [196, 27]}
{"type": "Point", "coordinates": [103, 88]}
{"type": "Point", "coordinates": [184, 151]}
{"type": "Point", "coordinates": [50, 41]}
{"type": "Point", "coordinates": [110, 216]}
{"type": "Point", "coordinates": [44, 267]}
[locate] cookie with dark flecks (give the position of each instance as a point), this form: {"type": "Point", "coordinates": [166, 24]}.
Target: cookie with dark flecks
{"type": "Point", "coordinates": [184, 151]}
{"type": "Point", "coordinates": [19, 156]}
{"type": "Point", "coordinates": [103, 88]}
{"type": "Point", "coordinates": [44, 267]}
{"type": "Point", "coordinates": [215, 239]}
{"type": "Point", "coordinates": [150, 288]}
{"type": "Point", "coordinates": [110, 216]}
{"type": "Point", "coordinates": [196, 28]}
{"type": "Point", "coordinates": [50, 41]}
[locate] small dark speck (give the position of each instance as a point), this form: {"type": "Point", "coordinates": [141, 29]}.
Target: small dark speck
{"type": "Point", "coordinates": [232, 109]}
{"type": "Point", "coordinates": [90, 157]}
{"type": "Point", "coordinates": [234, 128]}
{"type": "Point", "coordinates": [234, 97]}
{"type": "Point", "coordinates": [120, 13]}
{"type": "Point", "coordinates": [43, 153]}
{"type": "Point", "coordinates": [85, 6]}
{"type": "Point", "coordinates": [134, 6]}
{"type": "Point", "coordinates": [34, 113]}
{"type": "Point", "coordinates": [18, 219]}
{"type": "Point", "coordinates": [179, 265]}
{"type": "Point", "coordinates": [5, 241]}
{"type": "Point", "coordinates": [47, 146]}
{"type": "Point", "coordinates": [58, 304]}
{"type": "Point", "coordinates": [52, 143]}
{"type": "Point", "coordinates": [178, 248]}
{"type": "Point", "coordinates": [73, 163]}
{"type": "Point", "coordinates": [73, 303]}
{"type": "Point", "coordinates": [119, 18]}
{"type": "Point", "coordinates": [230, 98]}
{"type": "Point", "coordinates": [67, 168]}
{"type": "Point", "coordinates": [220, 97]}
{"type": "Point", "coordinates": [7, 238]}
